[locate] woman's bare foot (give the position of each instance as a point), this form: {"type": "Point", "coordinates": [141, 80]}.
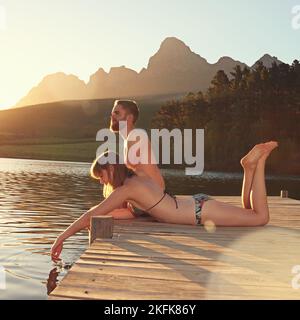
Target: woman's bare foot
{"type": "Point", "coordinates": [249, 161]}
{"type": "Point", "coordinates": [269, 147]}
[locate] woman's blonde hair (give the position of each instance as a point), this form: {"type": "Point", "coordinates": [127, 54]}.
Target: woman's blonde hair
{"type": "Point", "coordinates": [120, 172]}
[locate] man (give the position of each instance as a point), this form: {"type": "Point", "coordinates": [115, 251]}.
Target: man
{"type": "Point", "coordinates": [128, 111]}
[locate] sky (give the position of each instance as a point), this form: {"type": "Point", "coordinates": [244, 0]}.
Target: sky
{"type": "Point", "coordinates": [40, 37]}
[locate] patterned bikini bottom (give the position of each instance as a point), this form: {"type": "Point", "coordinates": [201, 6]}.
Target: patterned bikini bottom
{"type": "Point", "coordinates": [200, 198]}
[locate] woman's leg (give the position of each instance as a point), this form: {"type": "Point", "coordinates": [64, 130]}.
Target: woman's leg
{"type": "Point", "coordinates": [223, 214]}
{"type": "Point", "coordinates": [259, 201]}
{"type": "Point", "coordinates": [246, 188]}
{"type": "Point", "coordinates": [249, 163]}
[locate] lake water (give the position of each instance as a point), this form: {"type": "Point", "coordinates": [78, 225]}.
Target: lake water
{"type": "Point", "coordinates": [39, 199]}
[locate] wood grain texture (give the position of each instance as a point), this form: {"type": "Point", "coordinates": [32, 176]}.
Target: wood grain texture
{"type": "Point", "coordinates": [101, 228]}
{"type": "Point", "coordinates": [150, 260]}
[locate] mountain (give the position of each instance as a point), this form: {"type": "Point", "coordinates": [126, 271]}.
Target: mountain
{"type": "Point", "coordinates": [267, 61]}
{"type": "Point", "coordinates": [120, 82]}
{"type": "Point", "coordinates": [55, 87]}
{"type": "Point", "coordinates": [227, 64]}
{"type": "Point", "coordinates": [173, 69]}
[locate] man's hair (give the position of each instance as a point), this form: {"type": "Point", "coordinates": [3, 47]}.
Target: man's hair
{"type": "Point", "coordinates": [130, 106]}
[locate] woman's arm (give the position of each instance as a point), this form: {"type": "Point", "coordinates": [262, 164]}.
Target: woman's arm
{"type": "Point", "coordinates": [114, 201]}
{"type": "Point", "coordinates": [122, 214]}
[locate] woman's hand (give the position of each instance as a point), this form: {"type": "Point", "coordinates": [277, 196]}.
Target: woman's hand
{"type": "Point", "coordinates": [56, 249]}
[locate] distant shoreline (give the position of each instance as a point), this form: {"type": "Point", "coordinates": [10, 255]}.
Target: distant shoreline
{"type": "Point", "coordinates": [46, 160]}
{"type": "Point", "coordinates": [170, 167]}
{"type": "Point", "coordinates": [84, 152]}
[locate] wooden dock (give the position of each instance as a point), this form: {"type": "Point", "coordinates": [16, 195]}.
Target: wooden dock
{"type": "Point", "coordinates": [149, 260]}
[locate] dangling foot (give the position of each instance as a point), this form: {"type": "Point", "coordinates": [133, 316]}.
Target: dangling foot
{"type": "Point", "coordinates": [249, 161]}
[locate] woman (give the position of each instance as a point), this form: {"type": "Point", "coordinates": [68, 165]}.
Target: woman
{"type": "Point", "coordinates": [142, 192]}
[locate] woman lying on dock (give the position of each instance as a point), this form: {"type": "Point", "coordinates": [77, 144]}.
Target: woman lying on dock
{"type": "Point", "coordinates": [144, 193]}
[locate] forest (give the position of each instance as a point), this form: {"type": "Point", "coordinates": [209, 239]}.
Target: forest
{"type": "Point", "coordinates": [247, 107]}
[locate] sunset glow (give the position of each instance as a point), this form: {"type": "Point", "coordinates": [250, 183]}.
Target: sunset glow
{"type": "Point", "coordinates": [43, 37]}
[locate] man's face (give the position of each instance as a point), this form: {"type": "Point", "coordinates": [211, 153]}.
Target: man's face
{"type": "Point", "coordinates": [118, 113]}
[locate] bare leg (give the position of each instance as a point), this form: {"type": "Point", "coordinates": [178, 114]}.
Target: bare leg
{"type": "Point", "coordinates": [249, 163]}
{"type": "Point", "coordinates": [246, 188]}
{"type": "Point", "coordinates": [259, 202]}
{"type": "Point", "coordinates": [223, 214]}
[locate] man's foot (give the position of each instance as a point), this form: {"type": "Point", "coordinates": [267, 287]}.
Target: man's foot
{"type": "Point", "coordinates": [251, 158]}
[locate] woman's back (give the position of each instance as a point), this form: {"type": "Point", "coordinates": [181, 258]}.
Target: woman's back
{"type": "Point", "coordinates": [146, 194]}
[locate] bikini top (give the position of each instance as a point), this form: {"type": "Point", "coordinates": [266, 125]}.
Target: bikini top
{"type": "Point", "coordinates": [165, 192]}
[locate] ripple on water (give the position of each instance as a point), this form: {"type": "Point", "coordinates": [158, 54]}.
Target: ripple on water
{"type": "Point", "coordinates": [39, 199]}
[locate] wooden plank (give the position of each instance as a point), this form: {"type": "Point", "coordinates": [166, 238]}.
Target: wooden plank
{"type": "Point", "coordinates": [151, 260]}
{"type": "Point", "coordinates": [101, 227]}
{"type": "Point", "coordinates": [214, 266]}
{"type": "Point", "coordinates": [93, 286]}
{"type": "Point", "coordinates": [241, 279]}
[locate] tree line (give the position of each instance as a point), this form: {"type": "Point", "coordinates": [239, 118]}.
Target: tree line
{"type": "Point", "coordinates": [240, 110]}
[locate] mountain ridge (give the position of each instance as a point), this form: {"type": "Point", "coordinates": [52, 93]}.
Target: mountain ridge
{"type": "Point", "coordinates": [174, 68]}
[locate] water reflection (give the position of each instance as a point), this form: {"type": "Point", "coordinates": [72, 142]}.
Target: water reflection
{"type": "Point", "coordinates": [52, 280]}
{"type": "Point", "coordinates": [39, 199]}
